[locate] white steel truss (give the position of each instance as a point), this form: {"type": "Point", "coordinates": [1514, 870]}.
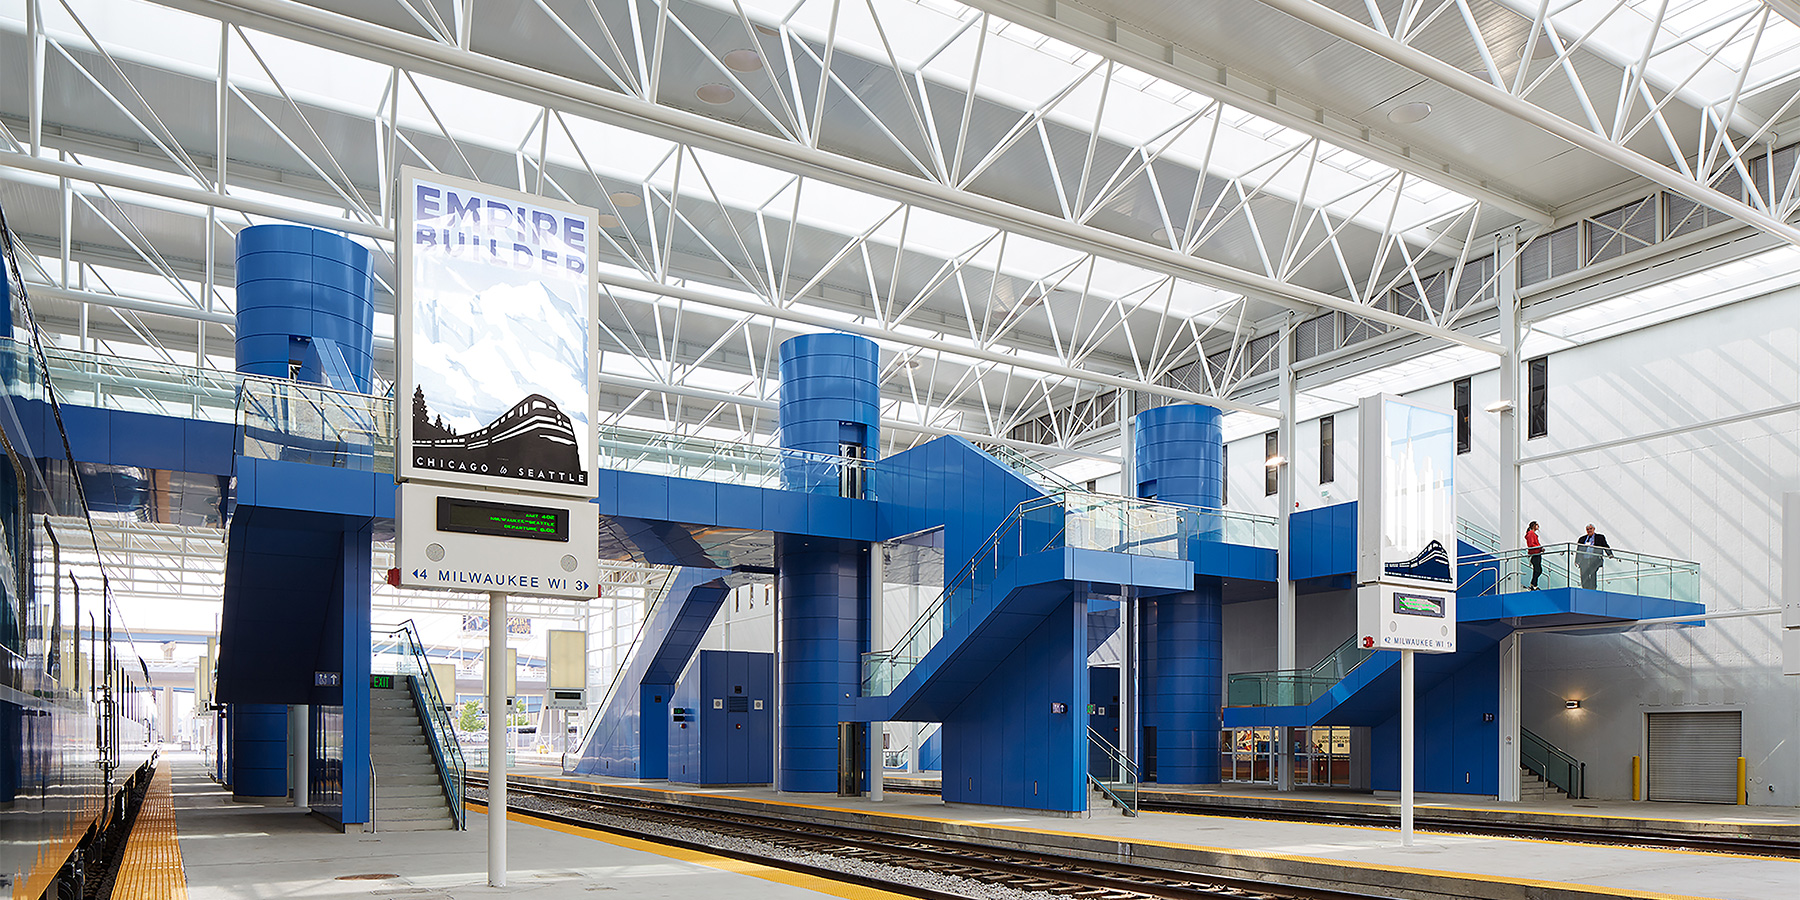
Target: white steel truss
{"type": "Point", "coordinates": [1608, 76]}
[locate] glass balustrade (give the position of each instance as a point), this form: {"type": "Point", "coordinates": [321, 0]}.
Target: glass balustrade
{"type": "Point", "coordinates": [1115, 775]}
{"type": "Point", "coordinates": [1295, 687]}
{"type": "Point", "coordinates": [1065, 519]}
{"type": "Point", "coordinates": [298, 422]}
{"type": "Point", "coordinates": [704, 459]}
{"type": "Point", "coordinates": [1577, 565]}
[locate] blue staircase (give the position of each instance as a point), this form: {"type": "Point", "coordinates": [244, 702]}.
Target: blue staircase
{"type": "Point", "coordinates": [630, 736]}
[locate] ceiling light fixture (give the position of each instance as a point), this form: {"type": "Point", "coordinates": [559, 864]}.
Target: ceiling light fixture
{"type": "Point", "coordinates": [743, 60]}
{"type": "Point", "coordinates": [1162, 235]}
{"type": "Point", "coordinates": [1408, 113]}
{"type": "Point", "coordinates": [1499, 406]}
{"type": "Point", "coordinates": [625, 199]}
{"type": "Point", "coordinates": [715, 93]}
{"type": "Point", "coordinates": [606, 221]}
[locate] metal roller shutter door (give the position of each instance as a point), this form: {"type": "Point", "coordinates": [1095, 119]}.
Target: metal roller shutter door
{"type": "Point", "coordinates": [1693, 756]}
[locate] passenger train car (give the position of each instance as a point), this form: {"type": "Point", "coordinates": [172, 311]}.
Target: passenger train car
{"type": "Point", "coordinates": [75, 709]}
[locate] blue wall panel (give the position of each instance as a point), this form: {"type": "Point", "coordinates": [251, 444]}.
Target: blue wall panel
{"type": "Point", "coordinates": [1181, 670]}
{"type": "Point", "coordinates": [296, 285]}
{"type": "Point", "coordinates": [1457, 750]}
{"type": "Point", "coordinates": [259, 763]}
{"type": "Point", "coordinates": [729, 737]}
{"type": "Point", "coordinates": [1004, 745]}
{"type": "Point", "coordinates": [823, 598]}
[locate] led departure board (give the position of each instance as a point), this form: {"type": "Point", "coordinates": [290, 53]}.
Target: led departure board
{"type": "Point", "coordinates": [538, 523]}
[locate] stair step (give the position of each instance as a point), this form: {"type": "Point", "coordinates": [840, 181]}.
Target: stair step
{"type": "Point", "coordinates": [385, 780]}
{"type": "Point", "coordinates": [386, 813]}
{"type": "Point", "coordinates": [444, 824]}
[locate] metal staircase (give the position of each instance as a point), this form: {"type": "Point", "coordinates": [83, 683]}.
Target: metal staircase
{"type": "Point", "coordinates": [409, 792]}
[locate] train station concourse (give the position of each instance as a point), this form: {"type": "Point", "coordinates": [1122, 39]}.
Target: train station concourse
{"type": "Point", "coordinates": [913, 448]}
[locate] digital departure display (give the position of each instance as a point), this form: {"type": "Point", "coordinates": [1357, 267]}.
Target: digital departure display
{"type": "Point", "coordinates": [538, 523]}
{"type": "Point", "coordinates": [1406, 604]}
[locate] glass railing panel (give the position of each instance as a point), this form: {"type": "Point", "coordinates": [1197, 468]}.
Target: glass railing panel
{"type": "Point", "coordinates": [1577, 565]}
{"type": "Point", "coordinates": [1028, 468]}
{"type": "Point", "coordinates": [1557, 767]}
{"type": "Point", "coordinates": [1295, 687]}
{"type": "Point", "coordinates": [112, 382]}
{"type": "Point", "coordinates": [705, 459]}
{"type": "Point", "coordinates": [299, 422]}
{"type": "Point", "coordinates": [1477, 536]}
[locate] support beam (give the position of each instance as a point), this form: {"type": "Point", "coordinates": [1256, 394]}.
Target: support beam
{"type": "Point", "coordinates": [540, 88]}
{"type": "Point", "coordinates": [1286, 631]}
{"type": "Point", "coordinates": [1353, 32]}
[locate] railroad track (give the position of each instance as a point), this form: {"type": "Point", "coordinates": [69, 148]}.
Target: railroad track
{"type": "Point", "coordinates": [810, 848]}
{"type": "Point", "coordinates": [1439, 823]}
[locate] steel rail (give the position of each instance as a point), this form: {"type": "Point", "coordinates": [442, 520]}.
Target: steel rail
{"type": "Point", "coordinates": [936, 855]}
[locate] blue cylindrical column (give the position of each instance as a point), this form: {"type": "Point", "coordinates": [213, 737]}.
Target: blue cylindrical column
{"type": "Point", "coordinates": [296, 285]}
{"type": "Point", "coordinates": [1179, 460]}
{"type": "Point", "coordinates": [830, 404]}
{"type": "Point", "coordinates": [1179, 455]}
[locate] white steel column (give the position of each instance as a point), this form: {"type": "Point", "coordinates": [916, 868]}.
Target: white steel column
{"type": "Point", "coordinates": [300, 754]}
{"type": "Point", "coordinates": [496, 716]}
{"type": "Point", "coordinates": [1406, 747]}
{"type": "Point", "coordinates": [1128, 606]}
{"type": "Point", "coordinates": [1286, 642]}
{"type": "Point", "coordinates": [877, 641]}
{"type": "Point", "coordinates": [1511, 654]}
{"type": "Point", "coordinates": [1508, 527]}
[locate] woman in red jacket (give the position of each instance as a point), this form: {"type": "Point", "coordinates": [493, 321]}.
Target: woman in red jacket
{"type": "Point", "coordinates": [1535, 549]}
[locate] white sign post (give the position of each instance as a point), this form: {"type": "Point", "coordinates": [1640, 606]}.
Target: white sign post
{"type": "Point", "coordinates": [496, 449]}
{"type": "Point", "coordinates": [1406, 548]}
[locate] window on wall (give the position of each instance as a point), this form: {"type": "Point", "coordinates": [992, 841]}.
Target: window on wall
{"type": "Point", "coordinates": [1327, 449]}
{"type": "Point", "coordinates": [1537, 397]}
{"type": "Point", "coordinates": [1271, 474]}
{"type": "Point", "coordinates": [1460, 391]}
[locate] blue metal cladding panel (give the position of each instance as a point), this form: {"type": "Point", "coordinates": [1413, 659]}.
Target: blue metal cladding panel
{"type": "Point", "coordinates": [729, 738]}
{"type": "Point", "coordinates": [822, 602]}
{"type": "Point", "coordinates": [295, 282]}
{"type": "Point", "coordinates": [259, 750]}
{"type": "Point", "coordinates": [1323, 541]}
{"type": "Point", "coordinates": [949, 482]}
{"type": "Point", "coordinates": [828, 380]}
{"type": "Point", "coordinates": [1181, 672]}
{"type": "Point", "coordinates": [1103, 717]}
{"type": "Point", "coordinates": [354, 592]}
{"type": "Point", "coordinates": [1005, 745]}
{"type": "Point", "coordinates": [1457, 752]}
{"type": "Point", "coordinates": [1179, 448]}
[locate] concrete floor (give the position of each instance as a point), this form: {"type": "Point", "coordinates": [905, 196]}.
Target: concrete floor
{"type": "Point", "coordinates": [1642, 872]}
{"type": "Point", "coordinates": [234, 851]}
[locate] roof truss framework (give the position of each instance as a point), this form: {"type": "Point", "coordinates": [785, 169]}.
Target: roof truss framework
{"type": "Point", "coordinates": [1733, 61]}
{"type": "Point", "coordinates": [943, 288]}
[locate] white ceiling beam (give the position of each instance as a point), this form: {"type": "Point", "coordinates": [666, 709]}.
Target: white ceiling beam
{"type": "Point", "coordinates": [535, 86]}
{"type": "Point", "coordinates": [1106, 35]}
{"type": "Point", "coordinates": [1353, 32]}
{"type": "Point", "coordinates": [682, 390]}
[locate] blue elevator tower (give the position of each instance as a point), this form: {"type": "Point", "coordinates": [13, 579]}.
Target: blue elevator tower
{"type": "Point", "coordinates": [1179, 460]}
{"type": "Point", "coordinates": [830, 404]}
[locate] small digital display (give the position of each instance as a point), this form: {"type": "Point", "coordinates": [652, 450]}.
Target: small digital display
{"type": "Point", "coordinates": [1406, 604]}
{"type": "Point", "coordinates": [539, 523]}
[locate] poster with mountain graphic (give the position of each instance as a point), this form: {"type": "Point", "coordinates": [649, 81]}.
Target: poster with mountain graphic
{"type": "Point", "coordinates": [496, 307]}
{"type": "Point", "coordinates": [1408, 502]}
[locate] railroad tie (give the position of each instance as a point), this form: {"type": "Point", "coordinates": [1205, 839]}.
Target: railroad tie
{"type": "Point", "coordinates": [151, 868]}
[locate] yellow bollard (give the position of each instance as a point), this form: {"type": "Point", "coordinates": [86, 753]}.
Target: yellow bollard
{"type": "Point", "coordinates": [1743, 782]}
{"type": "Point", "coordinates": [1636, 779]}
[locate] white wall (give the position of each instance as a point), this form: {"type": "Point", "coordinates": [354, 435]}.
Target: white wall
{"type": "Point", "coordinates": [1710, 493]}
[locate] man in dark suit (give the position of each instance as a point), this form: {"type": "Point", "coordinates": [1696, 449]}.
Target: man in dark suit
{"type": "Point", "coordinates": [1588, 553]}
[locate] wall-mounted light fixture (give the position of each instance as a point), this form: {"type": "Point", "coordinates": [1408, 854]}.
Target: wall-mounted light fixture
{"type": "Point", "coordinates": [1275, 462]}
{"type": "Point", "coordinates": [1571, 704]}
{"type": "Point", "coordinates": [1499, 406]}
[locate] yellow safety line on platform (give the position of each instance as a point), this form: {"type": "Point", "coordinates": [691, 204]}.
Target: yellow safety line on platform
{"type": "Point", "coordinates": [1738, 819]}
{"type": "Point", "coordinates": [723, 863]}
{"type": "Point", "coordinates": [151, 867]}
{"type": "Point", "coordinates": [1235, 851]}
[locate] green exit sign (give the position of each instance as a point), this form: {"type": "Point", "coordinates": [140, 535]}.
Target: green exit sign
{"type": "Point", "coordinates": [381, 682]}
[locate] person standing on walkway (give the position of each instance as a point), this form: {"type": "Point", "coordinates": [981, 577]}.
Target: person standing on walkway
{"type": "Point", "coordinates": [1534, 548]}
{"type": "Point", "coordinates": [1588, 555]}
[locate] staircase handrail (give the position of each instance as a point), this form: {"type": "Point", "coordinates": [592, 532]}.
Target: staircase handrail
{"type": "Point", "coordinates": [1478, 536]}
{"type": "Point", "coordinates": [446, 749]}
{"type": "Point", "coordinates": [1123, 792]}
{"type": "Point", "coordinates": [1144, 527]}
{"type": "Point", "coordinates": [1031, 469]}
{"type": "Point", "coordinates": [1335, 667]}
{"type": "Point", "coordinates": [625, 658]}
{"type": "Point", "coordinates": [1553, 764]}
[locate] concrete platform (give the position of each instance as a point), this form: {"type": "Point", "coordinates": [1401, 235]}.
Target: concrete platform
{"type": "Point", "coordinates": [234, 851]}
{"type": "Point", "coordinates": [1446, 865]}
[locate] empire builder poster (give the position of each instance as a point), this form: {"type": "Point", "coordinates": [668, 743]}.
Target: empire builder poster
{"type": "Point", "coordinates": [497, 300]}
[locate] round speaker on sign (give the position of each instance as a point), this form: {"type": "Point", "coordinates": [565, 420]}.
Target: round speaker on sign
{"type": "Point", "coordinates": [434, 552]}
{"type": "Point", "coordinates": [568, 563]}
